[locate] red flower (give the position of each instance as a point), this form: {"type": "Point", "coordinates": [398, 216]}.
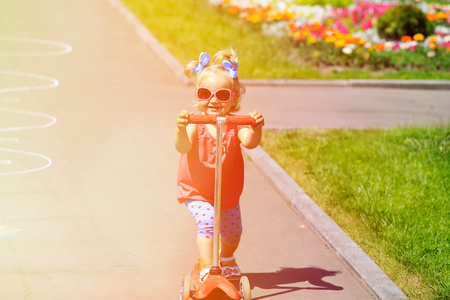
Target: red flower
{"type": "Point", "coordinates": [406, 38]}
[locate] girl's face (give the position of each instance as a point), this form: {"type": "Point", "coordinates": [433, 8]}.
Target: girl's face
{"type": "Point", "coordinates": [212, 106]}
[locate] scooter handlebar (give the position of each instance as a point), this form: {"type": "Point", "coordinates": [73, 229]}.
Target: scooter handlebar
{"type": "Point", "coordinates": [230, 120]}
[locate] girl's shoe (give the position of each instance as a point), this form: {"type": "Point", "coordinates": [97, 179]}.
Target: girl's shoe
{"type": "Point", "coordinates": [230, 272]}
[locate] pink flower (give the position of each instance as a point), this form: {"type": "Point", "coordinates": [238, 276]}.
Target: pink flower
{"type": "Point", "coordinates": [341, 27]}
{"type": "Point", "coordinates": [367, 24]}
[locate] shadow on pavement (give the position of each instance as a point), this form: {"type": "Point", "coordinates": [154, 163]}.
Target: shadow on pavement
{"type": "Point", "coordinates": [275, 280]}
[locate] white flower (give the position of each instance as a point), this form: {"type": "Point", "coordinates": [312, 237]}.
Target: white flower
{"type": "Point", "coordinates": [309, 13]}
{"type": "Point", "coordinates": [442, 29]}
{"type": "Point", "coordinates": [370, 34]}
{"type": "Point", "coordinates": [347, 50]}
{"type": "Point", "coordinates": [431, 54]}
{"type": "Point", "coordinates": [406, 45]}
{"type": "Point", "coordinates": [389, 46]}
{"type": "Point", "coordinates": [422, 5]}
{"type": "Point", "coordinates": [278, 29]}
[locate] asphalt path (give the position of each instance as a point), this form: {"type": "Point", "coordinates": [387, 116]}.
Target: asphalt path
{"type": "Point", "coordinates": [88, 166]}
{"type": "Point", "coordinates": [348, 107]}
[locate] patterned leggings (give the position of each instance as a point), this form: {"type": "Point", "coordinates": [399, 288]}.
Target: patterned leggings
{"type": "Point", "coordinates": [230, 223]}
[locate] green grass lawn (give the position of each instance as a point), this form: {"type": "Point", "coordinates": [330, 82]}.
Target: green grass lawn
{"type": "Point", "coordinates": [187, 28]}
{"type": "Point", "coordinates": [388, 189]}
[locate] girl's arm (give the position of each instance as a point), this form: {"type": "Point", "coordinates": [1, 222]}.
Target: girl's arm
{"type": "Point", "coordinates": [184, 132]}
{"type": "Point", "coordinates": [250, 137]}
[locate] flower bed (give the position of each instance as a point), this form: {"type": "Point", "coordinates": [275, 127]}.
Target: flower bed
{"type": "Point", "coordinates": [347, 35]}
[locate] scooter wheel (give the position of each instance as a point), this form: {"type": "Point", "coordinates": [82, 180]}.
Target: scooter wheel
{"type": "Point", "coordinates": [186, 288]}
{"type": "Point", "coordinates": [244, 288]}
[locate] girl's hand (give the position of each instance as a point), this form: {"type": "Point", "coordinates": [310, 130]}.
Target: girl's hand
{"type": "Point", "coordinates": [182, 119]}
{"type": "Point", "coordinates": [184, 134]}
{"type": "Point", "coordinates": [258, 118]}
{"type": "Point", "coordinates": [250, 137]}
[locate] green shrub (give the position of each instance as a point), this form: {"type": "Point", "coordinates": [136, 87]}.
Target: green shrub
{"type": "Point", "coordinates": [404, 20]}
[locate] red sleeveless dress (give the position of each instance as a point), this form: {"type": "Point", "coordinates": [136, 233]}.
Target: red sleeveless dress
{"type": "Point", "coordinates": [196, 172]}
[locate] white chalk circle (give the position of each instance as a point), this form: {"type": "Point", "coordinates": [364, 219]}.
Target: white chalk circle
{"type": "Point", "coordinates": [13, 81]}
{"type": "Point", "coordinates": [21, 162]}
{"type": "Point", "coordinates": [9, 139]}
{"type": "Point", "coordinates": [14, 120]}
{"type": "Point", "coordinates": [23, 46]}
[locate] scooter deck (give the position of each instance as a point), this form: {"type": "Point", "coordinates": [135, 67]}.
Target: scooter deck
{"type": "Point", "coordinates": [195, 276]}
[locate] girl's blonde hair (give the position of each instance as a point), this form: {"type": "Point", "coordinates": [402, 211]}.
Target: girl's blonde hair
{"type": "Point", "coordinates": [216, 67]}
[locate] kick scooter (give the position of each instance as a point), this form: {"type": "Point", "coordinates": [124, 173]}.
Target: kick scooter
{"type": "Point", "coordinates": [215, 284]}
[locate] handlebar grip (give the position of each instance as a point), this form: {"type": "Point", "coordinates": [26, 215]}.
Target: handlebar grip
{"type": "Point", "coordinates": [240, 120]}
{"type": "Point", "coordinates": [230, 120]}
{"type": "Point", "coordinates": [202, 119]}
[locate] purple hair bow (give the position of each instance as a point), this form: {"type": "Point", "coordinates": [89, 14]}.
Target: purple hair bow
{"type": "Point", "coordinates": [232, 69]}
{"type": "Point", "coordinates": [203, 62]}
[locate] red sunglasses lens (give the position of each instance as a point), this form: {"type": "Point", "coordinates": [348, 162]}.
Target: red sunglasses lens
{"type": "Point", "coordinates": [203, 94]}
{"type": "Point", "coordinates": [223, 95]}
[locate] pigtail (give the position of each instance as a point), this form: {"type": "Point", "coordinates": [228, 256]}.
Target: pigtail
{"type": "Point", "coordinates": [230, 55]}
{"type": "Point", "coordinates": [198, 66]}
{"type": "Point", "coordinates": [188, 69]}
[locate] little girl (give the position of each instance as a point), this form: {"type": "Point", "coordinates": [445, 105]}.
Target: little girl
{"type": "Point", "coordinates": [218, 93]}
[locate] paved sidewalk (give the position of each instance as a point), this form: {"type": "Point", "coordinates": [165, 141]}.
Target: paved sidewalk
{"type": "Point", "coordinates": [88, 167]}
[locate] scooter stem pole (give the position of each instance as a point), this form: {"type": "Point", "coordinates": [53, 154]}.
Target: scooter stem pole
{"type": "Point", "coordinates": [218, 193]}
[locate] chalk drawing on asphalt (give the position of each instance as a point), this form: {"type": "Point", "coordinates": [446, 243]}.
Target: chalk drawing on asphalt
{"type": "Point", "coordinates": [53, 82]}
{"type": "Point", "coordinates": [8, 139]}
{"type": "Point", "coordinates": [50, 120]}
{"type": "Point", "coordinates": [11, 100]}
{"type": "Point", "coordinates": [25, 158]}
{"type": "Point", "coordinates": [6, 231]}
{"type": "Point", "coordinates": [21, 160]}
{"type": "Point", "coordinates": [25, 46]}
{"type": "Point", "coordinates": [18, 161]}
